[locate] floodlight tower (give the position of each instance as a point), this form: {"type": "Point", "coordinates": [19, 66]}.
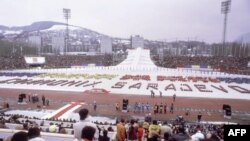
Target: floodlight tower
{"type": "Point", "coordinates": [225, 9]}
{"type": "Point", "coordinates": [66, 15]}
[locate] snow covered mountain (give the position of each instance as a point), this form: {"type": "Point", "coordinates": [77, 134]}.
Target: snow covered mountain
{"type": "Point", "coordinates": [43, 26]}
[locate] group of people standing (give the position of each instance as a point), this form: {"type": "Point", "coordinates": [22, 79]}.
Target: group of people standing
{"type": "Point", "coordinates": [162, 108]}
{"type": "Point", "coordinates": [34, 98]}
{"type": "Point", "coordinates": [153, 131]}
{"type": "Point", "coordinates": [141, 107]}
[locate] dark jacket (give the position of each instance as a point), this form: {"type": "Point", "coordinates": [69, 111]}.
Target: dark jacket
{"type": "Point", "coordinates": [103, 138]}
{"type": "Point", "coordinates": [181, 137]}
{"type": "Point", "coordinates": [132, 134]}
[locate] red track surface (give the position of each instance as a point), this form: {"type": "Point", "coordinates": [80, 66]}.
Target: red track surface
{"type": "Point", "coordinates": [106, 104]}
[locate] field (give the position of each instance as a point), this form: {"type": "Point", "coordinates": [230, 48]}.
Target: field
{"type": "Point", "coordinates": [210, 108]}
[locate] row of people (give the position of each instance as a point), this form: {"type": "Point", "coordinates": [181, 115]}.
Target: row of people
{"type": "Point", "coordinates": [147, 130]}
{"type": "Point", "coordinates": [55, 61]}
{"type": "Point", "coordinates": [166, 132]}
{"type": "Point", "coordinates": [222, 63]}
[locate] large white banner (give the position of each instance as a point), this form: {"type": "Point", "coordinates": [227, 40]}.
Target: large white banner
{"type": "Point", "coordinates": [34, 60]}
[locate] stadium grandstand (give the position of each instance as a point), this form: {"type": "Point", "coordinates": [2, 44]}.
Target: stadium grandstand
{"type": "Point", "coordinates": [197, 98]}
{"type": "Point", "coordinates": [234, 65]}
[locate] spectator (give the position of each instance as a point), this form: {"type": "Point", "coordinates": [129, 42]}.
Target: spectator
{"type": "Point", "coordinates": [110, 129]}
{"type": "Point", "coordinates": [83, 113]}
{"type": "Point", "coordinates": [145, 125]}
{"type": "Point", "coordinates": [2, 124]}
{"type": "Point", "coordinates": [211, 137]}
{"type": "Point", "coordinates": [220, 133]}
{"type": "Point", "coordinates": [223, 64]}
{"type": "Point", "coordinates": [140, 132]}
{"type": "Point", "coordinates": [181, 135]}
{"type": "Point", "coordinates": [154, 130]}
{"type": "Point", "coordinates": [61, 129]}
{"type": "Point", "coordinates": [43, 99]}
{"type": "Point", "coordinates": [104, 137]}
{"type": "Point", "coordinates": [148, 118]}
{"type": "Point", "coordinates": [132, 135]}
{"type": "Point", "coordinates": [7, 105]}
{"type": "Point", "coordinates": [198, 135]}
{"type": "Point", "coordinates": [199, 116]}
{"type": "Point", "coordinates": [42, 123]}
{"type": "Point", "coordinates": [34, 134]}
{"type": "Point", "coordinates": [88, 133]}
{"type": "Point", "coordinates": [165, 129]}
{"type": "Point", "coordinates": [166, 136]}
{"type": "Point", "coordinates": [52, 128]}
{"type": "Point", "coordinates": [20, 136]}
{"type": "Point", "coordinates": [121, 131]}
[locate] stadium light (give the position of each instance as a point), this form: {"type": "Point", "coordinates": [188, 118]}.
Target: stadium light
{"type": "Point", "coordinates": [225, 9]}
{"type": "Point", "coordinates": [67, 16]}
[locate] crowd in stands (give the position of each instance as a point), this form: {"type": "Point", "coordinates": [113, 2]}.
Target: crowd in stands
{"type": "Point", "coordinates": [67, 61]}
{"type": "Point", "coordinates": [178, 130]}
{"type": "Point", "coordinates": [131, 130]}
{"type": "Point", "coordinates": [12, 62]}
{"type": "Point", "coordinates": [18, 62]}
{"type": "Point", "coordinates": [24, 122]}
{"type": "Point", "coordinates": [224, 64]}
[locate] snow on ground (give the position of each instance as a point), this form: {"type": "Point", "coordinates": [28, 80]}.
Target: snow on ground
{"type": "Point", "coordinates": [61, 27]}
{"type": "Point", "coordinates": [107, 84]}
{"type": "Point", "coordinates": [137, 63]}
{"type": "Point", "coordinates": [12, 32]}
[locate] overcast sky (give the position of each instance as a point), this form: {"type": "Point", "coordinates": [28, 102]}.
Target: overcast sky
{"type": "Point", "coordinates": [153, 19]}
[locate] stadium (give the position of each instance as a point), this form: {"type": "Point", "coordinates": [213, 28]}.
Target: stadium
{"type": "Point", "coordinates": [124, 71]}
{"type": "Point", "coordinates": [219, 97]}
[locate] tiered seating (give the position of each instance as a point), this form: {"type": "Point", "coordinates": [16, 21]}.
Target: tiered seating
{"type": "Point", "coordinates": [233, 65]}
